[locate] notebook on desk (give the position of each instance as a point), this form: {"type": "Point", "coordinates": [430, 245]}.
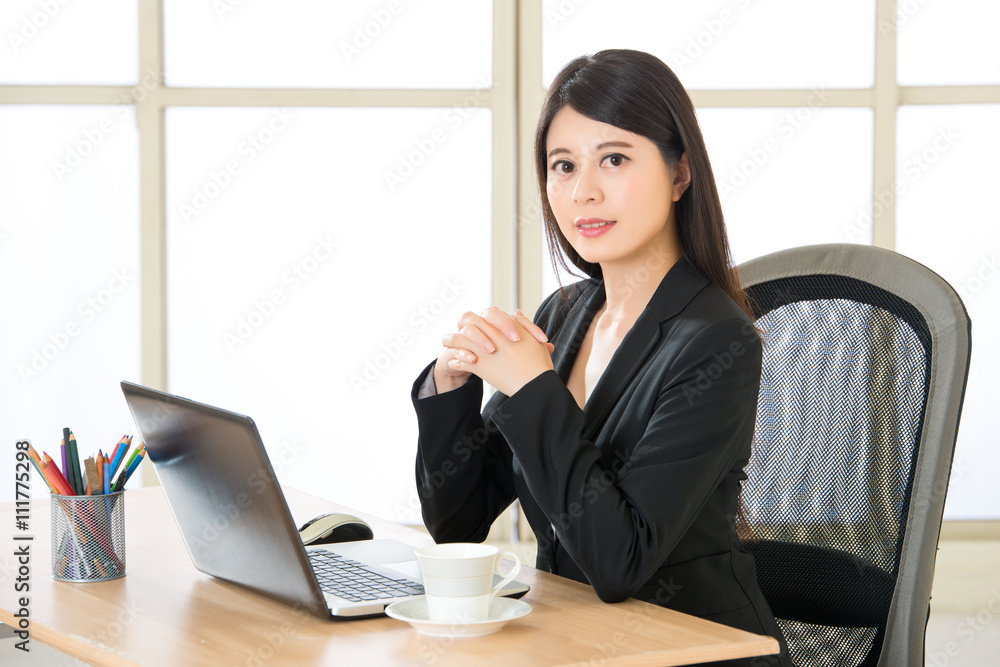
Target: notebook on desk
{"type": "Point", "coordinates": [235, 522]}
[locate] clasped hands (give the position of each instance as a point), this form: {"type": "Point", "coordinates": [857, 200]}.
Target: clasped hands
{"type": "Point", "coordinates": [506, 351]}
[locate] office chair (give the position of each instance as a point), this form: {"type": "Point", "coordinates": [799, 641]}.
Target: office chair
{"type": "Point", "coordinates": [866, 355]}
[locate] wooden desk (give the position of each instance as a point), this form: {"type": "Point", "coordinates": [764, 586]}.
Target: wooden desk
{"type": "Point", "coordinates": [165, 612]}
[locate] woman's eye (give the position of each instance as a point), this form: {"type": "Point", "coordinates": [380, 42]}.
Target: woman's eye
{"type": "Point", "coordinates": [615, 160]}
{"type": "Point", "coordinates": [562, 167]}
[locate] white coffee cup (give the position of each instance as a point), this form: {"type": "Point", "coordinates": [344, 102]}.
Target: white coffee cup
{"type": "Point", "coordinates": [458, 579]}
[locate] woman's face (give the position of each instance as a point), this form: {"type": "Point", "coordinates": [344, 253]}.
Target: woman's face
{"type": "Point", "coordinates": [610, 191]}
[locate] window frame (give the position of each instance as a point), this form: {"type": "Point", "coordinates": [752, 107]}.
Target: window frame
{"type": "Point", "coordinates": [885, 97]}
{"type": "Point", "coordinates": [515, 98]}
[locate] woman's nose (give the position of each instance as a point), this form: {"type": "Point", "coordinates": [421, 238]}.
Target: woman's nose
{"type": "Point", "coordinates": [586, 190]}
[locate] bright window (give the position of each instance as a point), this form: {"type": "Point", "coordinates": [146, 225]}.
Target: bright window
{"type": "Point", "coordinates": [68, 43]}
{"type": "Point", "coordinates": [946, 162]}
{"type": "Point", "coordinates": [69, 270]}
{"type": "Point", "coordinates": [305, 282]}
{"type": "Point", "coordinates": [948, 43]}
{"type": "Point", "coordinates": [386, 129]}
{"type": "Point", "coordinates": [769, 200]}
{"type": "Point", "coordinates": [322, 44]}
{"type": "Point", "coordinates": [723, 43]}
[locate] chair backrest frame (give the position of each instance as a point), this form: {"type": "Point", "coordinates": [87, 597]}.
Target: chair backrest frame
{"type": "Point", "coordinates": [950, 329]}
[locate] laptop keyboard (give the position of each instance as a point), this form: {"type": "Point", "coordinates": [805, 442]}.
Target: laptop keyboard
{"type": "Point", "coordinates": [353, 581]}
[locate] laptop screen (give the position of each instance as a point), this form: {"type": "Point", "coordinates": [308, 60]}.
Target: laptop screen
{"type": "Point", "coordinates": [224, 496]}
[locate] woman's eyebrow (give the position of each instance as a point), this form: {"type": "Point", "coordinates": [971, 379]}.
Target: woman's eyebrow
{"type": "Point", "coordinates": [614, 144]}
{"type": "Point", "coordinates": [599, 147]}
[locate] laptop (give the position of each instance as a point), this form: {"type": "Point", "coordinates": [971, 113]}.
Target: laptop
{"type": "Point", "coordinates": [236, 525]}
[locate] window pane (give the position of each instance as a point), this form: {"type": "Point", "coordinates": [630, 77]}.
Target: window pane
{"type": "Point", "coordinates": [59, 42]}
{"type": "Point", "coordinates": [321, 44]}
{"type": "Point", "coordinates": [948, 43]}
{"type": "Point", "coordinates": [791, 177]}
{"type": "Point", "coordinates": [786, 178]}
{"type": "Point", "coordinates": [945, 221]}
{"type": "Point", "coordinates": [723, 43]}
{"type": "Point", "coordinates": [316, 257]}
{"type": "Point", "coordinates": [69, 276]}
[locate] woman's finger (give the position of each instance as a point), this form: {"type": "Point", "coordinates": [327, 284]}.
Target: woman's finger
{"type": "Point", "coordinates": [531, 327]}
{"type": "Point", "coordinates": [460, 347]}
{"type": "Point", "coordinates": [502, 322]}
{"type": "Point", "coordinates": [475, 329]}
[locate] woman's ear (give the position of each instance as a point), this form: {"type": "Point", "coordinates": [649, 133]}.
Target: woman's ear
{"type": "Point", "coordinates": [682, 176]}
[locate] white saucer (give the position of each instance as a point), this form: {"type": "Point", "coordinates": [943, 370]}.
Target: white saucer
{"type": "Point", "coordinates": [414, 612]}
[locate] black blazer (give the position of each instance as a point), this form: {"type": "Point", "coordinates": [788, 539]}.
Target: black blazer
{"type": "Point", "coordinates": [635, 494]}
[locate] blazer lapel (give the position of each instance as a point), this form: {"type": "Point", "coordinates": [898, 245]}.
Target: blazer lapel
{"type": "Point", "coordinates": [634, 349]}
{"type": "Point", "coordinates": [572, 330]}
{"type": "Point", "coordinates": [677, 288]}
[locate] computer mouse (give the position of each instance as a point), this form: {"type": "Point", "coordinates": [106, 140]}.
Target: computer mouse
{"type": "Point", "coordinates": [335, 527]}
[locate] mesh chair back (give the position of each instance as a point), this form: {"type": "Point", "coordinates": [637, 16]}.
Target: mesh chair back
{"type": "Point", "coordinates": [849, 365]}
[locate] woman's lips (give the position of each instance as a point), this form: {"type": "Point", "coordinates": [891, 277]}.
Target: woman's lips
{"type": "Point", "coordinates": [591, 227]}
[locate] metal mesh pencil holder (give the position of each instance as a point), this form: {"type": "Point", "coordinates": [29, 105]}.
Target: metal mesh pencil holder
{"type": "Point", "coordinates": [88, 537]}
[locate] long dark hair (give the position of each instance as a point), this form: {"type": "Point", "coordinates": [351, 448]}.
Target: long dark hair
{"type": "Point", "coordinates": [638, 93]}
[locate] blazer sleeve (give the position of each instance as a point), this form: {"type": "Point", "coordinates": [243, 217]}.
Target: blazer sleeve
{"type": "Point", "coordinates": [463, 467]}
{"type": "Point", "coordinates": [619, 526]}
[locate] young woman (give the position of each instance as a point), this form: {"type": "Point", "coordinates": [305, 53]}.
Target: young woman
{"type": "Point", "coordinates": [625, 413]}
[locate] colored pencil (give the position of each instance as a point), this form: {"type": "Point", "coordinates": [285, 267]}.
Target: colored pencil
{"type": "Point", "coordinates": [38, 463]}
{"type": "Point", "coordinates": [57, 477]}
{"type": "Point", "coordinates": [74, 464]}
{"type": "Point", "coordinates": [136, 460]}
{"type": "Point", "coordinates": [116, 456]}
{"type": "Point", "coordinates": [65, 460]}
{"type": "Point", "coordinates": [44, 477]}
